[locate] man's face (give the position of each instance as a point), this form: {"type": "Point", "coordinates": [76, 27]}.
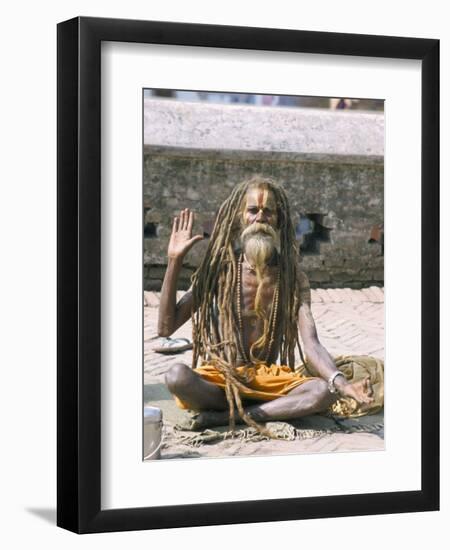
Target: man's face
{"type": "Point", "coordinates": [259, 235]}
{"type": "Point", "coordinates": [260, 207]}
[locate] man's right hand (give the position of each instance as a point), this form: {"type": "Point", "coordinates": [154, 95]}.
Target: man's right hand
{"type": "Point", "coordinates": [181, 239]}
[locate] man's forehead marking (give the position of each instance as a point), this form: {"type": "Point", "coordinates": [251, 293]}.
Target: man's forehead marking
{"type": "Point", "coordinates": [262, 197]}
{"type": "Point", "coordinates": [259, 197]}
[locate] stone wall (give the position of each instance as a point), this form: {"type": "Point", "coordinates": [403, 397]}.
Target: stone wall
{"type": "Point", "coordinates": [330, 163]}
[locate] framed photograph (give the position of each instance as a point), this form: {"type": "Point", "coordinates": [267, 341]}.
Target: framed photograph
{"type": "Point", "coordinates": [199, 149]}
{"type": "Point", "coordinates": [192, 386]}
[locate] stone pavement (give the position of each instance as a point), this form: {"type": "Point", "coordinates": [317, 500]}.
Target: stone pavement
{"type": "Point", "coordinates": [349, 322]}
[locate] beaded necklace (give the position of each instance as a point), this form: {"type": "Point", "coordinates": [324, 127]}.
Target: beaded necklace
{"type": "Point", "coordinates": [272, 320]}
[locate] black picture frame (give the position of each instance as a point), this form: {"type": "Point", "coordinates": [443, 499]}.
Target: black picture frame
{"type": "Point", "coordinates": [79, 276]}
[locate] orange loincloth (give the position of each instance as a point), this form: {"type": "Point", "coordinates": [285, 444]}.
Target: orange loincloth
{"type": "Point", "coordinates": [264, 383]}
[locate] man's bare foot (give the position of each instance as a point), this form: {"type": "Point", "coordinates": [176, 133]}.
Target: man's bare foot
{"type": "Point", "coordinates": [208, 419]}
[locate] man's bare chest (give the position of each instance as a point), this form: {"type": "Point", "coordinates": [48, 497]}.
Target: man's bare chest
{"type": "Point", "coordinates": [257, 300]}
{"type": "Point", "coordinates": [257, 312]}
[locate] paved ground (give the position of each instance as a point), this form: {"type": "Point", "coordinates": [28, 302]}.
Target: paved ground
{"type": "Point", "coordinates": [348, 322]}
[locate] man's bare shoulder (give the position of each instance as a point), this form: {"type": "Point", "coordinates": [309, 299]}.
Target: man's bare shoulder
{"type": "Point", "coordinates": [304, 287]}
{"type": "Point", "coordinates": [303, 280]}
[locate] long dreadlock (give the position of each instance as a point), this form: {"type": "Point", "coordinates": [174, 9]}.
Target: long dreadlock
{"type": "Point", "coordinates": [214, 286]}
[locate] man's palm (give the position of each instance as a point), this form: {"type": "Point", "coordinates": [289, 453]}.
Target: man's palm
{"type": "Point", "coordinates": [181, 239]}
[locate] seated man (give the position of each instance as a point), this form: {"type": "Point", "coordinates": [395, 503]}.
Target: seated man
{"type": "Point", "coordinates": [248, 303]}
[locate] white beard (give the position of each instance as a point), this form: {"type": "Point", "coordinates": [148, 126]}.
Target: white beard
{"type": "Point", "coordinates": [259, 243]}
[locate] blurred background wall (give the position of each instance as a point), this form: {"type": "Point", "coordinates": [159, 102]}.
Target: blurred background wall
{"type": "Point", "coordinates": [327, 152]}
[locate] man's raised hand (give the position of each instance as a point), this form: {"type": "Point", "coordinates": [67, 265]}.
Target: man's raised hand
{"type": "Point", "coordinates": [181, 239]}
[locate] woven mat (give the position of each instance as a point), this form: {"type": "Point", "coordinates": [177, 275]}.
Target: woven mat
{"type": "Point", "coordinates": [307, 428]}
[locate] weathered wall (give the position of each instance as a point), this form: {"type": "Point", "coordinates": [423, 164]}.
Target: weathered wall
{"type": "Point", "coordinates": [331, 165]}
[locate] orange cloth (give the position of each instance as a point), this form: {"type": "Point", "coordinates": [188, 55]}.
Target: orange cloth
{"type": "Point", "coordinates": [265, 382]}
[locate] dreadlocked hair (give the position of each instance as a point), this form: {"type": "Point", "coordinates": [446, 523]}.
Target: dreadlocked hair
{"type": "Point", "coordinates": [216, 337]}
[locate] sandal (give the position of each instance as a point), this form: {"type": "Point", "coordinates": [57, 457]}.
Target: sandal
{"type": "Point", "coordinates": [173, 345]}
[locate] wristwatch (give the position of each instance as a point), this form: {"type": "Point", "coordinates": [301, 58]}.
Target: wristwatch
{"type": "Point", "coordinates": [331, 385]}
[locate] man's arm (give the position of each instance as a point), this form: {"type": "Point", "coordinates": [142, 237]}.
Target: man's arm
{"type": "Point", "coordinates": [319, 360]}
{"type": "Point", "coordinates": [171, 314]}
